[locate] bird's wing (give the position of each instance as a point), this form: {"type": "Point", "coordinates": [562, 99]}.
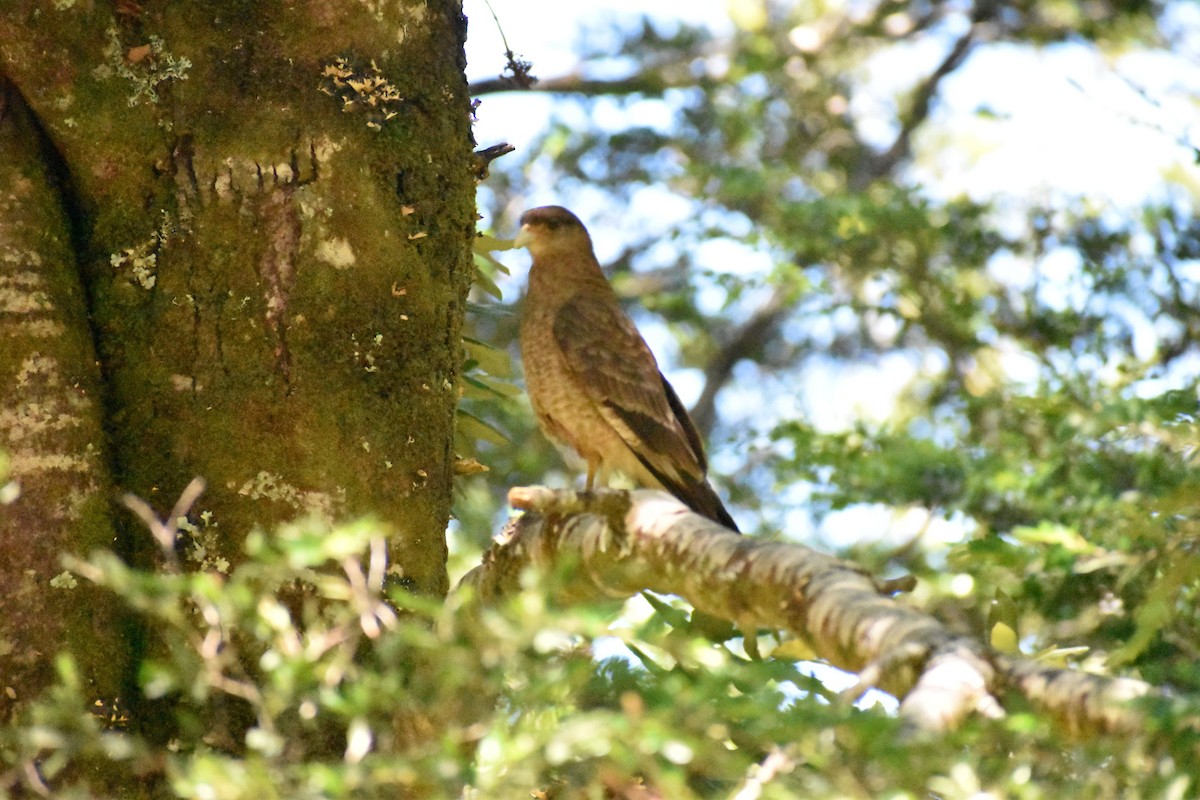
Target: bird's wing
{"type": "Point", "coordinates": [614, 365]}
{"type": "Point", "coordinates": [695, 443]}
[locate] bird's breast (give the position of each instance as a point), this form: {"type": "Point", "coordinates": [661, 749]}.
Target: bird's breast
{"type": "Point", "coordinates": [565, 412]}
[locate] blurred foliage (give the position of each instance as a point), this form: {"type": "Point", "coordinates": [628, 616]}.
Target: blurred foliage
{"type": "Point", "coordinates": [296, 676]}
{"type": "Point", "coordinates": [487, 370]}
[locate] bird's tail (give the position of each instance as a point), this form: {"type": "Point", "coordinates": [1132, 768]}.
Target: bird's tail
{"type": "Point", "coordinates": [700, 497]}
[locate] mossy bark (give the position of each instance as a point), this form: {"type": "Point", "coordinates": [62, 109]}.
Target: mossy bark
{"type": "Point", "coordinates": [55, 475]}
{"type": "Point", "coordinates": [271, 207]}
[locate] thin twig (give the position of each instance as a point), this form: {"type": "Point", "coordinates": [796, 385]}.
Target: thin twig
{"type": "Point", "coordinates": [521, 77]}
{"type": "Point", "coordinates": [166, 531]}
{"type": "Point", "coordinates": [776, 763]}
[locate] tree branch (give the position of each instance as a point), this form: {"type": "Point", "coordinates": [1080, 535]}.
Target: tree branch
{"type": "Point", "coordinates": [874, 168]}
{"type": "Point", "coordinates": [652, 81]}
{"type": "Point", "coordinates": [628, 542]}
{"type": "Point", "coordinates": [483, 159]}
{"type": "Point", "coordinates": [745, 339]}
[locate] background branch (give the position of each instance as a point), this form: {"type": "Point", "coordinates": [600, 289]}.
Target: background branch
{"type": "Point", "coordinates": [873, 169]}
{"type": "Point", "coordinates": [653, 80]}
{"type": "Point", "coordinates": [745, 340]}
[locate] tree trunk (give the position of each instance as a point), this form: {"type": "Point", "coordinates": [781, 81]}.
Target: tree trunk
{"type": "Point", "coordinates": [266, 211]}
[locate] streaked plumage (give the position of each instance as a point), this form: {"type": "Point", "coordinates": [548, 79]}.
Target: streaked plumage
{"type": "Point", "coordinates": [594, 384]}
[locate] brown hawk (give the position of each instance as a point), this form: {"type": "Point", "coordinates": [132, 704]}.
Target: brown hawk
{"type": "Point", "coordinates": [593, 382]}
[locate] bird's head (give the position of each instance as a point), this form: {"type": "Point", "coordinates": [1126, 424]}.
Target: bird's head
{"type": "Point", "coordinates": [549, 229]}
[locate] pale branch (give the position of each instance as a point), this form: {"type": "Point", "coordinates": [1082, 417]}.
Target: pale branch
{"type": "Point", "coordinates": [1078, 701]}
{"type": "Point", "coordinates": [166, 531]}
{"type": "Point", "coordinates": [627, 542]}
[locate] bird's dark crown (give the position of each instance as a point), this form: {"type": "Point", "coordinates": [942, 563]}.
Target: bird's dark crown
{"type": "Point", "coordinates": [551, 217]}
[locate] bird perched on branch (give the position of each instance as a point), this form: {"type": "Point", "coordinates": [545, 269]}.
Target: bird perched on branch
{"type": "Point", "coordinates": [592, 379]}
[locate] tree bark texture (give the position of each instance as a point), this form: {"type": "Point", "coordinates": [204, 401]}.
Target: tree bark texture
{"type": "Point", "coordinates": [235, 242]}
{"type": "Point", "coordinates": [57, 484]}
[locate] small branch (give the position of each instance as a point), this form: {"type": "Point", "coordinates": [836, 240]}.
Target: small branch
{"type": "Point", "coordinates": [647, 82]}
{"type": "Point", "coordinates": [519, 70]}
{"type": "Point", "coordinates": [1180, 139]}
{"type": "Point", "coordinates": [746, 338]}
{"type": "Point", "coordinates": [33, 777]}
{"type": "Point", "coordinates": [629, 542]}
{"type": "Point", "coordinates": [879, 166]}
{"type": "Point", "coordinates": [166, 531]}
{"type": "Point", "coordinates": [483, 159]}
{"type": "Point", "coordinates": [778, 762]}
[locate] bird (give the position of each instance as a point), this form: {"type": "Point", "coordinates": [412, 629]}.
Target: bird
{"type": "Point", "coordinates": [594, 383]}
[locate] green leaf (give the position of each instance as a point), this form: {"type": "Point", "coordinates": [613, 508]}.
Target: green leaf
{"type": "Point", "coordinates": [485, 244]}
{"type": "Point", "coordinates": [1160, 606]}
{"type": "Point", "coordinates": [485, 282]}
{"type": "Point", "coordinates": [475, 388]}
{"type": "Point", "coordinates": [471, 426]}
{"type": "Point", "coordinates": [493, 361]}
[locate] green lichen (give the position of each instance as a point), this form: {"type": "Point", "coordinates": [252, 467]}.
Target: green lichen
{"type": "Point", "coordinates": [64, 580]}
{"type": "Point", "coordinates": [265, 485]}
{"type": "Point", "coordinates": [368, 356]}
{"type": "Point", "coordinates": [141, 260]}
{"type": "Point", "coordinates": [146, 71]}
{"type": "Point", "coordinates": [205, 545]}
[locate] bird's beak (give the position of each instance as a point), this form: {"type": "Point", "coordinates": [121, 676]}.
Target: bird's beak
{"type": "Point", "coordinates": [524, 237]}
